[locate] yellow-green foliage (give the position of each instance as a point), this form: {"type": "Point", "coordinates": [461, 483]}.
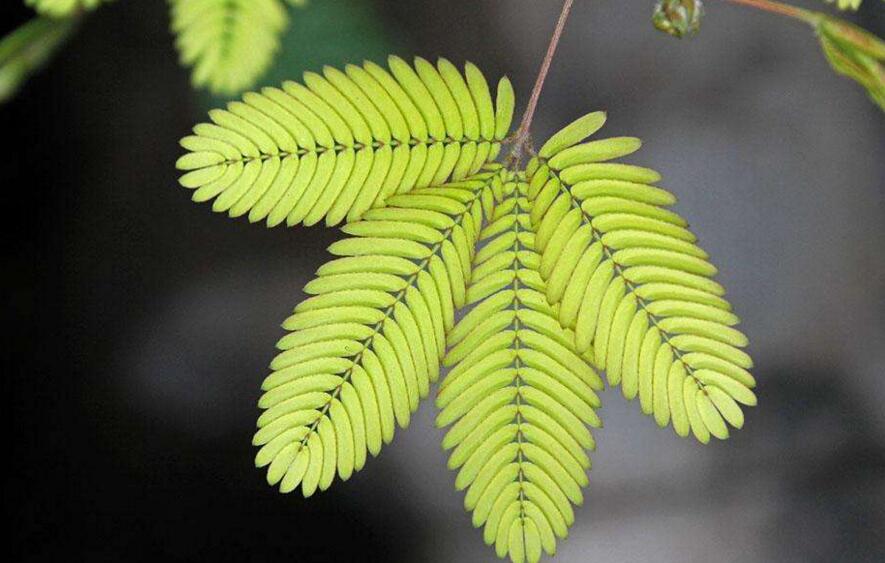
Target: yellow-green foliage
{"type": "Point", "coordinates": [522, 282]}
{"type": "Point", "coordinates": [229, 43]}
{"type": "Point", "coordinates": [63, 8]}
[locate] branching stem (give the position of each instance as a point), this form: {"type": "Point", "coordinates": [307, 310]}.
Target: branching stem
{"type": "Point", "coordinates": [521, 139]}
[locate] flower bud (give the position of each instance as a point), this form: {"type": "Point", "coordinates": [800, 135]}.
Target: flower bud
{"type": "Point", "coordinates": [679, 18]}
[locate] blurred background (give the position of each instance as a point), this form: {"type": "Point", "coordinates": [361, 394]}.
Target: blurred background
{"type": "Point", "coordinates": [140, 324]}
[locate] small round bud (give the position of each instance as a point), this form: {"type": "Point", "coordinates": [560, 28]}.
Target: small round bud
{"type": "Point", "coordinates": [679, 18]}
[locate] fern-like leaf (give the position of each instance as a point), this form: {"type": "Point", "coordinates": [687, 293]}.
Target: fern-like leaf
{"type": "Point", "coordinates": [63, 8]}
{"type": "Point", "coordinates": [364, 349]}
{"type": "Point", "coordinates": [628, 277]}
{"type": "Point", "coordinates": [345, 142]}
{"type": "Point", "coordinates": [229, 43]}
{"type": "Point", "coordinates": [518, 394]}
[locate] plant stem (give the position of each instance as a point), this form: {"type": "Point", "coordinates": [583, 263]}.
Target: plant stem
{"type": "Point", "coordinates": [522, 134]}
{"type": "Point", "coordinates": [779, 8]}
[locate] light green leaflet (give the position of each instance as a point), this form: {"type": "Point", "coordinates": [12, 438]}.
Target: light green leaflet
{"type": "Point", "coordinates": [521, 283]}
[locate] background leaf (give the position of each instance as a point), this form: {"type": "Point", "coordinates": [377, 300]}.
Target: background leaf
{"type": "Point", "coordinates": [27, 49]}
{"type": "Point", "coordinates": [854, 53]}
{"type": "Point", "coordinates": [229, 43]}
{"type": "Point", "coordinates": [846, 4]}
{"type": "Point", "coordinates": [63, 8]}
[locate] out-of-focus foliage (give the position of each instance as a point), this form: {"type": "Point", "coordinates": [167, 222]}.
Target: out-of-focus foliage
{"type": "Point", "coordinates": [63, 8]}
{"type": "Point", "coordinates": [229, 43]}
{"type": "Point", "coordinates": [328, 33]}
{"type": "Point", "coordinates": [846, 4]}
{"type": "Point", "coordinates": [855, 53]}
{"type": "Point", "coordinates": [27, 49]}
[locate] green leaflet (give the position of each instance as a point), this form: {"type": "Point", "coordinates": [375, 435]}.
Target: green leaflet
{"type": "Point", "coordinates": [574, 133]}
{"type": "Point", "coordinates": [518, 395]}
{"type": "Point", "coordinates": [345, 141]}
{"type": "Point", "coordinates": [628, 277]}
{"type": "Point", "coordinates": [365, 348]}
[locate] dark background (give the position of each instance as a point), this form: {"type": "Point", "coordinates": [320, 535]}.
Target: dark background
{"type": "Point", "coordinates": [140, 324]}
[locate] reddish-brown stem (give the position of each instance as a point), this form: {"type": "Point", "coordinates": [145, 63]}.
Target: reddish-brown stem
{"type": "Point", "coordinates": [522, 134]}
{"type": "Point", "coordinates": [778, 8]}
{"type": "Point", "coordinates": [521, 138]}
